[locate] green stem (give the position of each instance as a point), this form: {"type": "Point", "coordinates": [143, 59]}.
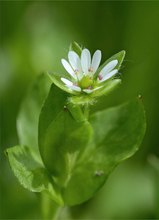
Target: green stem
{"type": "Point", "coordinates": [56, 214]}
{"type": "Point", "coordinates": [50, 210]}
{"type": "Point", "coordinates": [76, 112]}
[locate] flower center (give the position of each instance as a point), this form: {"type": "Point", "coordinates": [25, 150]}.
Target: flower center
{"type": "Point", "coordinates": [86, 82]}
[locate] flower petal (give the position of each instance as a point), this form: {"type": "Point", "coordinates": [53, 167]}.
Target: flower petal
{"type": "Point", "coordinates": [88, 90]}
{"type": "Point", "coordinates": [75, 88]}
{"type": "Point", "coordinates": [85, 60]}
{"type": "Point", "coordinates": [68, 68]}
{"type": "Point", "coordinates": [67, 82]}
{"type": "Point", "coordinates": [91, 90]}
{"type": "Point", "coordinates": [109, 67]}
{"type": "Point", "coordinates": [97, 88]}
{"type": "Point", "coordinates": [96, 60]}
{"type": "Point", "coordinates": [108, 75]}
{"type": "Point", "coordinates": [74, 61]}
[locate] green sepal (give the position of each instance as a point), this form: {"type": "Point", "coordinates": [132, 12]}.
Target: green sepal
{"type": "Point", "coordinates": [82, 100]}
{"type": "Point", "coordinates": [56, 79]}
{"type": "Point", "coordinates": [90, 99]}
{"type": "Point", "coordinates": [108, 87]}
{"type": "Point", "coordinates": [74, 46]}
{"type": "Point", "coordinates": [30, 172]}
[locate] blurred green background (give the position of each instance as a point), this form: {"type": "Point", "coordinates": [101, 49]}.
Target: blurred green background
{"type": "Point", "coordinates": [34, 36]}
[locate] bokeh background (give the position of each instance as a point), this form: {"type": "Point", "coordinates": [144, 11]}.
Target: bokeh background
{"type": "Point", "coordinates": [34, 36]}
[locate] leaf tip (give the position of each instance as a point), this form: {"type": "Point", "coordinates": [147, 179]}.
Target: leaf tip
{"type": "Point", "coordinates": [75, 47]}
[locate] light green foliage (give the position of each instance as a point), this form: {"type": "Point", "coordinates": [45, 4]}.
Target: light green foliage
{"type": "Point", "coordinates": [27, 121]}
{"type": "Point", "coordinates": [29, 170]}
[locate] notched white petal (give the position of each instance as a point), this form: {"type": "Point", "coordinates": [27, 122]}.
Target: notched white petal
{"type": "Point", "coordinates": [96, 60]}
{"type": "Point", "coordinates": [97, 88]}
{"type": "Point", "coordinates": [75, 88]}
{"type": "Point", "coordinates": [67, 82]}
{"type": "Point", "coordinates": [91, 90]}
{"type": "Point", "coordinates": [85, 60]}
{"type": "Point", "coordinates": [74, 61]}
{"type": "Point", "coordinates": [108, 76]}
{"type": "Point", "coordinates": [88, 91]}
{"type": "Point", "coordinates": [68, 68]}
{"type": "Point", "coordinates": [108, 68]}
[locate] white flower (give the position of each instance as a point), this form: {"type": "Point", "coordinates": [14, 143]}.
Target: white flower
{"type": "Point", "coordinates": [82, 71]}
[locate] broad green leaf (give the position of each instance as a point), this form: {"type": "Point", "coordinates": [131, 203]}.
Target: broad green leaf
{"type": "Point", "coordinates": [118, 56]}
{"type": "Point", "coordinates": [27, 121]}
{"type": "Point", "coordinates": [120, 129]}
{"type": "Point", "coordinates": [118, 133]}
{"type": "Point", "coordinates": [75, 47]}
{"type": "Point", "coordinates": [30, 172]}
{"type": "Point", "coordinates": [62, 137]}
{"type": "Point", "coordinates": [54, 103]}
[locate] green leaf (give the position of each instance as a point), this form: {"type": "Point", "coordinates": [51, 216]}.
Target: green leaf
{"type": "Point", "coordinates": [118, 133]}
{"type": "Point", "coordinates": [27, 121]}
{"type": "Point", "coordinates": [30, 172]}
{"type": "Point", "coordinates": [61, 137]}
{"type": "Point", "coordinates": [54, 103]}
{"type": "Point", "coordinates": [75, 47]}
{"type": "Point", "coordinates": [121, 129]}
{"type": "Point", "coordinates": [118, 56]}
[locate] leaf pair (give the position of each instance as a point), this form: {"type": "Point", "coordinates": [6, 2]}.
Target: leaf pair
{"type": "Point", "coordinates": [76, 154]}
{"type": "Point", "coordinates": [81, 154]}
